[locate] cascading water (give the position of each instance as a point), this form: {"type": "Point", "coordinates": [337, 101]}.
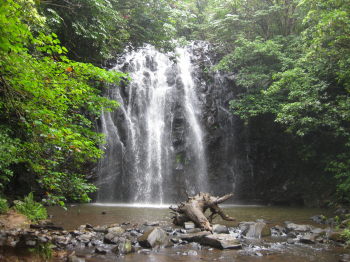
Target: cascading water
{"type": "Point", "coordinates": [155, 132]}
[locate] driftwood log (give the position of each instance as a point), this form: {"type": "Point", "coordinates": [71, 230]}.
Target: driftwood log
{"type": "Point", "coordinates": [194, 208]}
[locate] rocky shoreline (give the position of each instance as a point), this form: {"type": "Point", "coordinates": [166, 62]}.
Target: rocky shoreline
{"type": "Point", "coordinates": [124, 239]}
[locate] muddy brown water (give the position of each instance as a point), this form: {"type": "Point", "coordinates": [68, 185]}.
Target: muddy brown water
{"type": "Point", "coordinates": [260, 250]}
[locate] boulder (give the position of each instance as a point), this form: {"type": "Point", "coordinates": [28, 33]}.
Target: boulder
{"type": "Point", "coordinates": [254, 229]}
{"type": "Point", "coordinates": [220, 241]}
{"type": "Point", "coordinates": [153, 238]}
{"type": "Point", "coordinates": [194, 237]}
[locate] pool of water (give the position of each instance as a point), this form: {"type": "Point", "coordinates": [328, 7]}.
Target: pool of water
{"type": "Point", "coordinates": [104, 214]}
{"type": "Point", "coordinates": [262, 250]}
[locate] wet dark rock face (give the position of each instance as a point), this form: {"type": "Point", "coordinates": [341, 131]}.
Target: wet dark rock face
{"type": "Point", "coordinates": [216, 90]}
{"type": "Point", "coordinates": [256, 160]}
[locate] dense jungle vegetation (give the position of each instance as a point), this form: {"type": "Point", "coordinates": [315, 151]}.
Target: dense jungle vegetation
{"type": "Point", "coordinates": [290, 59]}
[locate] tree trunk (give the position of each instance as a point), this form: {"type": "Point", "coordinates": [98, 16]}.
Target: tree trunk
{"type": "Point", "coordinates": [194, 208]}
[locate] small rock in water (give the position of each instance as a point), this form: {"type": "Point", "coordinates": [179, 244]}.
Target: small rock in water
{"type": "Point", "coordinates": [154, 237]}
{"type": "Point", "coordinates": [345, 258]}
{"type": "Point", "coordinates": [124, 247]}
{"type": "Point", "coordinates": [117, 231]}
{"type": "Point", "coordinates": [189, 225]}
{"type": "Point", "coordinates": [111, 238]}
{"type": "Point", "coordinates": [295, 227]}
{"type": "Point", "coordinates": [196, 246]}
{"type": "Point", "coordinates": [290, 241]}
{"type": "Point", "coordinates": [254, 229]}
{"type": "Point", "coordinates": [144, 251]}
{"type": "Point", "coordinates": [220, 229]}
{"type": "Point", "coordinates": [308, 239]}
{"type": "Point", "coordinates": [319, 219]}
{"type": "Point", "coordinates": [151, 224]}
{"type": "Point", "coordinates": [100, 250]}
{"type": "Point", "coordinates": [100, 229]}
{"type": "Point", "coordinates": [192, 253]}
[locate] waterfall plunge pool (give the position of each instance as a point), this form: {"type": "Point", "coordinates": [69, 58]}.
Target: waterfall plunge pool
{"type": "Point", "coordinates": [262, 250]}
{"type": "Point", "coordinates": [134, 213]}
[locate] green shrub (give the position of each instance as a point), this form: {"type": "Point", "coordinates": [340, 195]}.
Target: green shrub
{"type": "Point", "coordinates": [44, 250]}
{"type": "Point", "coordinates": [346, 235]}
{"type": "Point", "coordinates": [30, 208]}
{"type": "Point", "coordinates": [3, 206]}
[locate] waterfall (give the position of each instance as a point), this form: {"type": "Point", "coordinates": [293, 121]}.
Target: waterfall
{"type": "Point", "coordinates": [155, 148]}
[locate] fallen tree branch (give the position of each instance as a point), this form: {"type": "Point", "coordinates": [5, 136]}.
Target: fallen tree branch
{"type": "Point", "coordinates": [194, 208]}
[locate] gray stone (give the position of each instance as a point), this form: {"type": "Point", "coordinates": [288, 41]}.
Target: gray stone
{"type": "Point", "coordinates": [110, 238]}
{"type": "Point", "coordinates": [196, 246]}
{"type": "Point", "coordinates": [320, 219]}
{"type": "Point", "coordinates": [124, 247]}
{"type": "Point", "coordinates": [100, 250]}
{"type": "Point", "coordinates": [290, 241]}
{"type": "Point", "coordinates": [151, 224]}
{"type": "Point", "coordinates": [220, 229]}
{"type": "Point", "coordinates": [189, 225]}
{"type": "Point", "coordinates": [194, 237]}
{"type": "Point", "coordinates": [254, 229]}
{"type": "Point", "coordinates": [308, 239]}
{"type": "Point", "coordinates": [144, 251]}
{"type": "Point", "coordinates": [192, 253]}
{"type": "Point", "coordinates": [345, 258]}
{"type": "Point", "coordinates": [318, 231]}
{"type": "Point", "coordinates": [85, 238]}
{"type": "Point", "coordinates": [296, 227]}
{"type": "Point", "coordinates": [221, 241]}
{"type": "Point", "coordinates": [100, 229]}
{"type": "Point", "coordinates": [117, 231]}
{"type": "Point", "coordinates": [154, 237]}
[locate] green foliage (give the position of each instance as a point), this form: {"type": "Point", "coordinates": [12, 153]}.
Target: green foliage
{"type": "Point", "coordinates": [49, 103]}
{"type": "Point", "coordinates": [95, 30]}
{"type": "Point", "coordinates": [44, 250]}
{"type": "Point", "coordinates": [8, 155]}
{"type": "Point", "coordinates": [346, 236]}
{"type": "Point", "coordinates": [90, 28]}
{"type": "Point", "coordinates": [3, 206]}
{"type": "Point", "coordinates": [291, 60]}
{"type": "Point", "coordinates": [30, 208]}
